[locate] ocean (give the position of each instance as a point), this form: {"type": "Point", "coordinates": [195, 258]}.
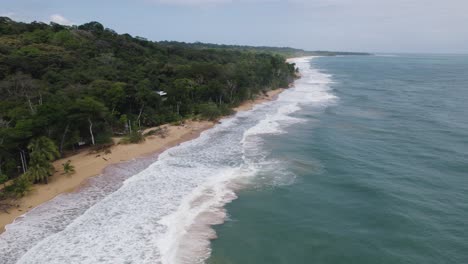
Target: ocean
{"type": "Point", "coordinates": [364, 160]}
{"type": "Point", "coordinates": [380, 173]}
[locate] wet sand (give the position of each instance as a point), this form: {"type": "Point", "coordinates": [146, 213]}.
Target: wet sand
{"type": "Point", "coordinates": [88, 165]}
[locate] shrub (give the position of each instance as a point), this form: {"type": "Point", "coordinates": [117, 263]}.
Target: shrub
{"type": "Point", "coordinates": [133, 138]}
{"type": "Point", "coordinates": [19, 188]}
{"type": "Point", "coordinates": [209, 111]}
{"type": "Point", "coordinates": [42, 152]}
{"type": "Point", "coordinates": [225, 110]}
{"type": "Point", "coordinates": [159, 131]}
{"type": "Point", "coordinates": [104, 138]}
{"type": "Point", "coordinates": [212, 111]}
{"type": "Point", "coordinates": [3, 179]}
{"type": "Point", "coordinates": [68, 168]}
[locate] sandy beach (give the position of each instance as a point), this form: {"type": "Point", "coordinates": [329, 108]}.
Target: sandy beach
{"type": "Point", "coordinates": [88, 165]}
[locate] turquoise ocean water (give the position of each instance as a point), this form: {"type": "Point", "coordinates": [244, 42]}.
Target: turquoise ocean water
{"type": "Point", "coordinates": [380, 175]}
{"type": "Point", "coordinates": [364, 160]}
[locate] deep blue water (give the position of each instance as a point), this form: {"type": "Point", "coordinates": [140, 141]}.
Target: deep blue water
{"type": "Point", "coordinates": [381, 175]}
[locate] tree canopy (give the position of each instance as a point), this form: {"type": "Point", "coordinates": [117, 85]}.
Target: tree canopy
{"type": "Point", "coordinates": [79, 85]}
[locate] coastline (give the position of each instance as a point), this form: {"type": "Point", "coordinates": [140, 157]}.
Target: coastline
{"type": "Point", "coordinates": [89, 165]}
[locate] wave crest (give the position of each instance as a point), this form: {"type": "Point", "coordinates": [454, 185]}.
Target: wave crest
{"type": "Point", "coordinates": [165, 213]}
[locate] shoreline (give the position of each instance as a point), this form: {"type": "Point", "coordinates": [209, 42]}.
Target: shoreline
{"type": "Point", "coordinates": [89, 165]}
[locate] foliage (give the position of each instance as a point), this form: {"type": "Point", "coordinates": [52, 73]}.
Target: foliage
{"type": "Point", "coordinates": [42, 149]}
{"type": "Point", "coordinates": [68, 168]}
{"type": "Point", "coordinates": [80, 85]}
{"type": "Point", "coordinates": [159, 131]}
{"type": "Point", "coordinates": [42, 152]}
{"type": "Point", "coordinates": [3, 178]}
{"type": "Point", "coordinates": [19, 188]}
{"type": "Point", "coordinates": [133, 137]}
{"type": "Point", "coordinates": [284, 51]}
{"type": "Point", "coordinates": [211, 111]}
{"type": "Point", "coordinates": [38, 173]}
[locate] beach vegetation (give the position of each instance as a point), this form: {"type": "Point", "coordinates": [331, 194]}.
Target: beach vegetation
{"type": "Point", "coordinates": [212, 111]}
{"type": "Point", "coordinates": [3, 179]}
{"type": "Point", "coordinates": [68, 168]}
{"type": "Point", "coordinates": [161, 131]}
{"type": "Point", "coordinates": [18, 188]}
{"type": "Point", "coordinates": [42, 152]}
{"type": "Point", "coordinates": [64, 88]}
{"type": "Point", "coordinates": [134, 137]}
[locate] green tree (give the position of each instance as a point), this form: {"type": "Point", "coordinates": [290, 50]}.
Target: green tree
{"type": "Point", "coordinates": [77, 83]}
{"type": "Point", "coordinates": [145, 97]}
{"type": "Point", "coordinates": [68, 168]}
{"type": "Point", "coordinates": [3, 179]}
{"type": "Point", "coordinates": [38, 172]}
{"type": "Point", "coordinates": [209, 111]}
{"type": "Point", "coordinates": [42, 152]}
{"type": "Point", "coordinates": [91, 110]}
{"type": "Point", "coordinates": [20, 186]}
{"type": "Point", "coordinates": [43, 148]}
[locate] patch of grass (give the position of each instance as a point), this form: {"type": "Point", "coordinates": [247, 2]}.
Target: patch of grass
{"type": "Point", "coordinates": [160, 131]}
{"type": "Point", "coordinates": [68, 168]}
{"type": "Point", "coordinates": [133, 138]}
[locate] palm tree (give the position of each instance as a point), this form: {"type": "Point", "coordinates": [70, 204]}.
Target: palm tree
{"type": "Point", "coordinates": [43, 148]}
{"type": "Point", "coordinates": [68, 168]}
{"type": "Point", "coordinates": [38, 173]}
{"type": "Point", "coordinates": [42, 151]}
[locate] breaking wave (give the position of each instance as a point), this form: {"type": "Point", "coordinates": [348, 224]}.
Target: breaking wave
{"type": "Point", "coordinates": [164, 213]}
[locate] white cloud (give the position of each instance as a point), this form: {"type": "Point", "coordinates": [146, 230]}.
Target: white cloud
{"type": "Point", "coordinates": [59, 19]}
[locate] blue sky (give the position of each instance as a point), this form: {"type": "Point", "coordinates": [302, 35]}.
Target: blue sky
{"type": "Point", "coordinates": [427, 26]}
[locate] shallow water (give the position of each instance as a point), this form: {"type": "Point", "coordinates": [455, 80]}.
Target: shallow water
{"type": "Point", "coordinates": [363, 161]}
{"type": "Point", "coordinates": [164, 213]}
{"type": "Point", "coordinates": [381, 174]}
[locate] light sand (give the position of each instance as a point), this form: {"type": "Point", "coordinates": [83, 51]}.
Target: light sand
{"type": "Point", "coordinates": [89, 165]}
{"type": "Point", "coordinates": [270, 95]}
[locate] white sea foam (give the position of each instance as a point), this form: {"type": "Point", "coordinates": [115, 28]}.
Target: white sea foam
{"type": "Point", "coordinates": [164, 214]}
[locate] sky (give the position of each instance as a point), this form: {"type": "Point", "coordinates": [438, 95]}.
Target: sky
{"type": "Point", "coordinates": [387, 26]}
